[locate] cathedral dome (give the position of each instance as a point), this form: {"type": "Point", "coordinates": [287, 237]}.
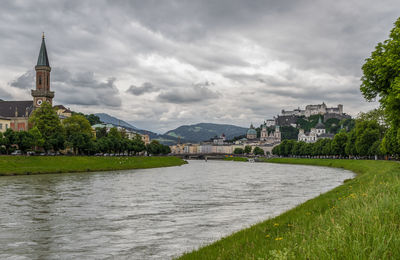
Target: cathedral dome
{"type": "Point", "coordinates": [251, 131]}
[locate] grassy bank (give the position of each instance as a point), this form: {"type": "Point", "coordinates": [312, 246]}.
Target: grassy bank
{"type": "Point", "coordinates": [236, 159]}
{"type": "Point", "coordinates": [357, 220]}
{"type": "Point", "coordinates": [19, 165]}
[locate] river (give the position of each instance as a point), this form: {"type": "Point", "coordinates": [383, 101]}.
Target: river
{"type": "Point", "coordinates": [148, 214]}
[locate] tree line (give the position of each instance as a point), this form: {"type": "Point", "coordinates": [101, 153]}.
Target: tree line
{"type": "Point", "coordinates": [364, 140]}
{"type": "Point", "coordinates": [248, 150]}
{"type": "Point", "coordinates": [48, 133]}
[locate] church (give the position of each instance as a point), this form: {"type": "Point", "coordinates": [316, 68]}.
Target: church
{"type": "Point", "coordinates": [15, 114]}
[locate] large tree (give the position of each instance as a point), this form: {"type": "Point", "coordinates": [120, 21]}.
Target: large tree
{"type": "Point", "coordinates": [46, 120]}
{"type": "Point", "coordinates": [381, 76]}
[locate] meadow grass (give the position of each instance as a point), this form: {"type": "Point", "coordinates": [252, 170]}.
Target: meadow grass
{"type": "Point", "coordinates": [357, 220]}
{"type": "Point", "coordinates": [236, 159]}
{"type": "Point", "coordinates": [19, 165]}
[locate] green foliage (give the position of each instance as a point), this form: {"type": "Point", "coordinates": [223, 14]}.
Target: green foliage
{"type": "Point", "coordinates": [77, 124]}
{"type": "Point", "coordinates": [363, 140]}
{"type": "Point", "coordinates": [289, 133]}
{"type": "Point", "coordinates": [9, 138]}
{"type": "Point", "coordinates": [156, 148]}
{"type": "Point", "coordinates": [78, 134]}
{"type": "Point", "coordinates": [338, 145]}
{"type": "Point", "coordinates": [46, 120]}
{"type": "Point", "coordinates": [307, 123]}
{"type": "Point", "coordinates": [238, 151]}
{"type": "Point", "coordinates": [258, 151]}
{"type": "Point", "coordinates": [381, 76]}
{"type": "Point", "coordinates": [24, 140]}
{"type": "Point", "coordinates": [93, 119]}
{"type": "Point", "coordinates": [101, 132]}
{"type": "Point", "coordinates": [247, 149]}
{"type": "Point", "coordinates": [332, 125]}
{"type": "Point", "coordinates": [18, 165]}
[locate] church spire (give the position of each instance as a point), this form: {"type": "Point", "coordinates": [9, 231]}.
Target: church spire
{"type": "Point", "coordinates": [43, 60]}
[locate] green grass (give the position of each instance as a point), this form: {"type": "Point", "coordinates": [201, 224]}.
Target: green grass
{"type": "Point", "coordinates": [19, 165]}
{"type": "Point", "coordinates": [357, 220]}
{"type": "Point", "coordinates": [236, 159]}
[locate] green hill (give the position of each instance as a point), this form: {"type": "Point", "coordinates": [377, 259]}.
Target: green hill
{"type": "Point", "coordinates": [205, 131]}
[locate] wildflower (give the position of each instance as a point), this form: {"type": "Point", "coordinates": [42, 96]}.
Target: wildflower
{"type": "Point", "coordinates": [289, 225]}
{"type": "Point", "coordinates": [308, 213]}
{"type": "Point", "coordinates": [267, 236]}
{"type": "Point", "coordinates": [278, 238]}
{"type": "Point", "coordinates": [276, 224]}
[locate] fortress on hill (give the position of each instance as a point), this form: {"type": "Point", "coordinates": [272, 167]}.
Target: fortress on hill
{"type": "Point", "coordinates": [289, 118]}
{"type": "Point", "coordinates": [320, 109]}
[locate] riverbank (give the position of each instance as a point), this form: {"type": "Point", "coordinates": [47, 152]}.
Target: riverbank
{"type": "Point", "coordinates": [357, 220]}
{"type": "Point", "coordinates": [23, 165]}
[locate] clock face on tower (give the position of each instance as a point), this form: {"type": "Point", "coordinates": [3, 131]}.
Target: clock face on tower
{"type": "Point", "coordinates": [39, 102]}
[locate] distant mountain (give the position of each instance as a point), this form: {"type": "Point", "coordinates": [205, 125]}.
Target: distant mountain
{"type": "Point", "coordinates": [205, 131]}
{"type": "Point", "coordinates": [106, 118]}
{"type": "Point", "coordinates": [164, 139]}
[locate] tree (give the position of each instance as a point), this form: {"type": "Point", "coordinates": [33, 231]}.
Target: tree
{"type": "Point", "coordinates": [138, 144]}
{"type": "Point", "coordinates": [381, 76]}
{"type": "Point", "coordinates": [238, 151]}
{"type": "Point", "coordinates": [46, 120]}
{"type": "Point", "coordinates": [9, 139]}
{"type": "Point", "coordinates": [247, 149]}
{"type": "Point", "coordinates": [77, 124]}
{"type": "Point", "coordinates": [350, 148]}
{"type": "Point", "coordinates": [258, 151]}
{"type": "Point", "coordinates": [338, 144]}
{"type": "Point", "coordinates": [78, 133]}
{"type": "Point", "coordinates": [101, 132]}
{"type": "Point", "coordinates": [93, 119]}
{"type": "Point", "coordinates": [38, 139]}
{"type": "Point", "coordinates": [153, 147]}
{"type": "Point", "coordinates": [24, 140]}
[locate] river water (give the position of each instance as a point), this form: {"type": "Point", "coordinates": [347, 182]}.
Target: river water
{"type": "Point", "coordinates": [147, 214]}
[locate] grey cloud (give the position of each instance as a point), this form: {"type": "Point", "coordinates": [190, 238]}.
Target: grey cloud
{"type": "Point", "coordinates": [25, 81]}
{"type": "Point", "coordinates": [4, 95]}
{"type": "Point", "coordinates": [170, 43]}
{"type": "Point", "coordinates": [76, 88]}
{"type": "Point", "coordinates": [146, 87]}
{"type": "Point", "coordinates": [191, 94]}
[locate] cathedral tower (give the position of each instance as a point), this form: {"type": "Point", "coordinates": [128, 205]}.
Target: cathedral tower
{"type": "Point", "coordinates": [42, 92]}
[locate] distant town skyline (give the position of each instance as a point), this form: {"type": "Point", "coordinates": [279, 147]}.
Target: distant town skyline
{"type": "Point", "coordinates": [162, 64]}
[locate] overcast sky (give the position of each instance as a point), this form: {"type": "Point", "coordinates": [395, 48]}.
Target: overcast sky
{"type": "Point", "coordinates": [161, 64]}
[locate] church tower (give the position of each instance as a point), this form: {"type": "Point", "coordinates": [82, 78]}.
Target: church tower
{"type": "Point", "coordinates": [42, 92]}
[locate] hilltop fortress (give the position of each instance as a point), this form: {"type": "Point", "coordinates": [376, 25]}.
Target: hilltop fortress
{"type": "Point", "coordinates": [320, 109]}
{"type": "Point", "coordinates": [287, 118]}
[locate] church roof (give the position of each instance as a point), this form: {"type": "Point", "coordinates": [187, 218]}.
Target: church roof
{"type": "Point", "coordinates": [251, 131]}
{"type": "Point", "coordinates": [320, 125]}
{"type": "Point", "coordinates": [8, 108]}
{"type": "Point", "coordinates": [43, 60]}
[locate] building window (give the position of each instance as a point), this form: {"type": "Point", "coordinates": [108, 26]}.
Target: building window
{"type": "Point", "coordinates": [47, 80]}
{"type": "Point", "coordinates": [40, 80]}
{"type": "Point", "coordinates": [6, 126]}
{"type": "Point", "coordinates": [1, 126]}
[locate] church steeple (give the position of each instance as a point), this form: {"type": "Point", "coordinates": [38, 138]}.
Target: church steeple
{"type": "Point", "coordinates": [42, 92]}
{"type": "Point", "coordinates": [43, 60]}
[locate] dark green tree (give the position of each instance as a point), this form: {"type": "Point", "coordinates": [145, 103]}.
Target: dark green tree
{"type": "Point", "coordinates": [46, 120]}
{"type": "Point", "coordinates": [258, 151]}
{"type": "Point", "coordinates": [381, 76]}
{"type": "Point", "coordinates": [9, 139]}
{"type": "Point", "coordinates": [238, 151]}
{"type": "Point", "coordinates": [247, 149]}
{"type": "Point", "coordinates": [338, 144]}
{"type": "Point", "coordinates": [24, 140]}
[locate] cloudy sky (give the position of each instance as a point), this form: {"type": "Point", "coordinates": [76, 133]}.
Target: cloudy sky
{"type": "Point", "coordinates": [161, 64]}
